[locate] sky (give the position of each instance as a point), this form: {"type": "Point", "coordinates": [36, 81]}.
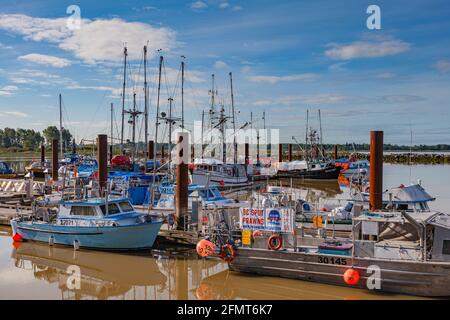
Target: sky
{"type": "Point", "coordinates": [286, 57]}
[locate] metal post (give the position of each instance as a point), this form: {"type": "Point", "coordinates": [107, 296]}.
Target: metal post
{"type": "Point", "coordinates": [376, 170]}
{"type": "Point", "coordinates": [102, 159]}
{"type": "Point", "coordinates": [55, 160]}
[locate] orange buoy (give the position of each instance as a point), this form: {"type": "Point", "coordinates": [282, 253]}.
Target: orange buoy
{"type": "Point", "coordinates": [275, 242]}
{"type": "Point", "coordinates": [16, 245]}
{"type": "Point", "coordinates": [205, 248]}
{"type": "Point", "coordinates": [351, 276]}
{"type": "Point", "coordinates": [17, 238]}
{"type": "Point", "coordinates": [257, 233]}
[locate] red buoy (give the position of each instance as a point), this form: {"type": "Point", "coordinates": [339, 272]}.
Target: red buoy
{"type": "Point", "coordinates": [351, 277]}
{"type": "Point", "coordinates": [205, 248]}
{"type": "Point", "coordinates": [17, 238]}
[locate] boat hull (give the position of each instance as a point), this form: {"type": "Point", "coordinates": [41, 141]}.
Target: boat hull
{"type": "Point", "coordinates": [221, 181]}
{"type": "Point", "coordinates": [397, 276]}
{"type": "Point", "coordinates": [322, 174]}
{"type": "Point", "coordinates": [132, 237]}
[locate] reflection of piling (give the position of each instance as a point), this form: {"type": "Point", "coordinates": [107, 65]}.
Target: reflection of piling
{"type": "Point", "coordinates": [42, 153]}
{"type": "Point", "coordinates": [280, 153]}
{"type": "Point", "coordinates": [182, 182]}
{"type": "Point", "coordinates": [335, 152]}
{"type": "Point", "coordinates": [376, 169]}
{"type": "Point", "coordinates": [151, 150]}
{"type": "Point", "coordinates": [102, 159]}
{"type": "Point", "coordinates": [55, 160]}
{"type": "Point", "coordinates": [289, 152]}
{"type": "Point", "coordinates": [181, 274]}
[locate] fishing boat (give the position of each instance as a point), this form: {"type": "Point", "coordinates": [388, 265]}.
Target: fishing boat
{"type": "Point", "coordinates": [390, 251]}
{"type": "Point", "coordinates": [98, 223]}
{"type": "Point", "coordinates": [308, 170]}
{"type": "Point", "coordinates": [353, 166]}
{"type": "Point", "coordinates": [38, 169]}
{"type": "Point", "coordinates": [215, 172]}
{"type": "Point", "coordinates": [6, 171]}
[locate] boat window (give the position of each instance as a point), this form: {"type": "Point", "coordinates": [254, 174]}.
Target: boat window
{"type": "Point", "coordinates": [82, 211]}
{"type": "Point", "coordinates": [112, 208]}
{"type": "Point", "coordinates": [126, 206]}
{"type": "Point", "coordinates": [446, 247]}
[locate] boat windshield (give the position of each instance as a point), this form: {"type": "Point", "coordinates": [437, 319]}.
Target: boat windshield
{"type": "Point", "coordinates": [112, 209]}
{"type": "Point", "coordinates": [126, 206]}
{"type": "Point", "coordinates": [82, 211]}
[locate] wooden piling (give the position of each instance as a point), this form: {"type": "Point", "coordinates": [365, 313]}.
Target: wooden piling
{"type": "Point", "coordinates": [376, 170]}
{"type": "Point", "coordinates": [247, 153]}
{"type": "Point", "coordinates": [42, 153]}
{"type": "Point", "coordinates": [102, 159]}
{"type": "Point", "coordinates": [289, 152]}
{"type": "Point", "coordinates": [162, 153]}
{"type": "Point", "coordinates": [182, 181]}
{"type": "Point", "coordinates": [110, 153]}
{"type": "Point", "coordinates": [151, 150]}
{"type": "Point", "coordinates": [55, 159]}
{"type": "Point", "coordinates": [192, 154]}
{"type": "Point", "coordinates": [335, 152]}
{"type": "Point", "coordinates": [280, 152]}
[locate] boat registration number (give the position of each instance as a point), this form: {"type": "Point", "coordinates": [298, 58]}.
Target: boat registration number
{"type": "Point", "coordinates": [333, 260]}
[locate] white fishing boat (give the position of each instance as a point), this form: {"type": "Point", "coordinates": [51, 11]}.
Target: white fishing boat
{"type": "Point", "coordinates": [216, 173]}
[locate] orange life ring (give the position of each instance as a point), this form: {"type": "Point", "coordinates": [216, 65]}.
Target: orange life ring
{"type": "Point", "coordinates": [227, 253]}
{"type": "Point", "coordinates": [275, 242]}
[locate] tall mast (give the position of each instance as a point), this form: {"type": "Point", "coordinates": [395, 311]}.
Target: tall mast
{"type": "Point", "coordinates": [306, 136]}
{"type": "Point", "coordinates": [61, 152]}
{"type": "Point", "coordinates": [203, 120]}
{"type": "Point", "coordinates": [157, 108]}
{"type": "Point", "coordinates": [182, 94]}
{"type": "Point", "coordinates": [111, 135]}
{"type": "Point", "coordinates": [234, 120]}
{"type": "Point", "coordinates": [123, 95]}
{"type": "Point", "coordinates": [222, 131]}
{"type": "Point", "coordinates": [257, 146]}
{"type": "Point", "coordinates": [145, 105]}
{"type": "Point", "coordinates": [170, 131]}
{"type": "Point", "coordinates": [133, 115]}
{"type": "Point", "coordinates": [320, 130]}
{"type": "Point", "coordinates": [212, 112]}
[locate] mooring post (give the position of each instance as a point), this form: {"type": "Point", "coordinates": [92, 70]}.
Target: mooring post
{"type": "Point", "coordinates": [280, 152]}
{"type": "Point", "coordinates": [335, 152]}
{"type": "Point", "coordinates": [182, 180]}
{"type": "Point", "coordinates": [110, 153]}
{"type": "Point", "coordinates": [151, 150]}
{"type": "Point", "coordinates": [290, 152]}
{"type": "Point", "coordinates": [376, 170]}
{"type": "Point", "coordinates": [162, 153]}
{"type": "Point", "coordinates": [55, 160]}
{"type": "Point", "coordinates": [247, 153]}
{"type": "Point", "coordinates": [42, 153]}
{"type": "Point", "coordinates": [102, 159]}
{"type": "Point", "coordinates": [192, 153]}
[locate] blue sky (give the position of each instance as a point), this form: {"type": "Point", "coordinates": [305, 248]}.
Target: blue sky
{"type": "Point", "coordinates": [286, 57]}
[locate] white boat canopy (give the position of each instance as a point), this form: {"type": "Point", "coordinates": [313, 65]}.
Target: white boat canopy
{"type": "Point", "coordinates": [207, 161]}
{"type": "Point", "coordinates": [409, 194]}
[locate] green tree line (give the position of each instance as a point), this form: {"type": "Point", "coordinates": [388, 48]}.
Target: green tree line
{"type": "Point", "coordinates": [29, 139]}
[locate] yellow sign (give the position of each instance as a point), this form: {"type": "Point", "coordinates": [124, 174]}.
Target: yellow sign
{"type": "Point", "coordinates": [246, 237]}
{"type": "Point", "coordinates": [317, 221]}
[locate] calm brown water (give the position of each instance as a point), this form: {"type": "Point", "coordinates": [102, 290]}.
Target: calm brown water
{"type": "Point", "coordinates": [37, 271]}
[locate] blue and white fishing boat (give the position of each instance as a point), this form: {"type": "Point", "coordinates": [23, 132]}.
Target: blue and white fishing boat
{"type": "Point", "coordinates": [94, 223]}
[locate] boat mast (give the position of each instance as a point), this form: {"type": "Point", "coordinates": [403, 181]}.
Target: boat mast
{"type": "Point", "coordinates": [123, 96]}
{"type": "Point", "coordinates": [157, 109]}
{"type": "Point", "coordinates": [60, 128]}
{"type": "Point", "coordinates": [169, 148]}
{"type": "Point", "coordinates": [182, 93]}
{"type": "Point", "coordinates": [203, 120]}
{"type": "Point", "coordinates": [145, 105]}
{"type": "Point", "coordinates": [111, 135]}
{"type": "Point", "coordinates": [257, 147]}
{"type": "Point", "coordinates": [234, 120]}
{"type": "Point", "coordinates": [320, 138]}
{"type": "Point", "coordinates": [222, 131]}
{"type": "Point", "coordinates": [306, 136]}
{"type": "Point", "coordinates": [211, 113]}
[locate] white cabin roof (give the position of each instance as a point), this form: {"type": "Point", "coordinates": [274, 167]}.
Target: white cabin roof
{"type": "Point", "coordinates": [208, 161]}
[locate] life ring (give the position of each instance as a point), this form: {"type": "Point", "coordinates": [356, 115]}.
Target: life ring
{"type": "Point", "coordinates": [227, 253]}
{"type": "Point", "coordinates": [275, 242]}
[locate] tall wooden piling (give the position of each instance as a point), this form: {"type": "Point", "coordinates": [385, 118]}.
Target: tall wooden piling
{"type": "Point", "coordinates": [247, 153]}
{"type": "Point", "coordinates": [280, 152]}
{"type": "Point", "coordinates": [290, 152]}
{"type": "Point", "coordinates": [162, 153]}
{"type": "Point", "coordinates": [110, 153]}
{"type": "Point", "coordinates": [376, 170]}
{"type": "Point", "coordinates": [192, 154]}
{"type": "Point", "coordinates": [102, 159]}
{"type": "Point", "coordinates": [182, 181]}
{"type": "Point", "coordinates": [335, 152]}
{"type": "Point", "coordinates": [55, 159]}
{"type": "Point", "coordinates": [151, 150]}
{"type": "Point", "coordinates": [42, 153]}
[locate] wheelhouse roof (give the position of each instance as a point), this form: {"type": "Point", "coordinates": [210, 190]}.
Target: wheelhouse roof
{"type": "Point", "coordinates": [94, 201]}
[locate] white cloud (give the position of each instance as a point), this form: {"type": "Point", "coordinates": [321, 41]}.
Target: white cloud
{"type": "Point", "coordinates": [378, 47]}
{"type": "Point", "coordinates": [4, 46]}
{"type": "Point", "coordinates": [45, 60]}
{"type": "Point", "coordinates": [275, 79]}
{"type": "Point", "coordinates": [442, 66]}
{"type": "Point", "coordinates": [219, 64]}
{"type": "Point", "coordinates": [15, 114]}
{"type": "Point", "coordinates": [224, 5]}
{"type": "Point", "coordinates": [96, 40]}
{"type": "Point", "coordinates": [198, 5]}
{"type": "Point", "coordinates": [8, 90]}
{"type": "Point", "coordinates": [237, 8]}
